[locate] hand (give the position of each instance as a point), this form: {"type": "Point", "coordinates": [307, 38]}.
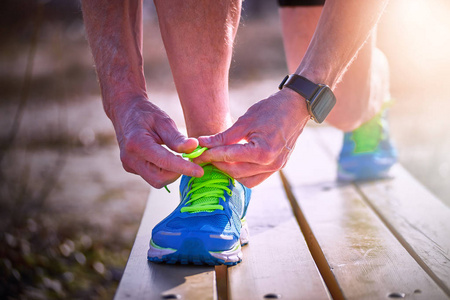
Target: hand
{"type": "Point", "coordinates": [269, 128]}
{"type": "Point", "coordinates": [141, 128]}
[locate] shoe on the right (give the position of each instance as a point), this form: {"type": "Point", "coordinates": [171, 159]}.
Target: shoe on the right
{"type": "Point", "coordinates": [367, 152]}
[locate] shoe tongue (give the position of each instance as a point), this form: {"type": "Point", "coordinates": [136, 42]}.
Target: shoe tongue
{"type": "Point", "coordinates": [208, 174]}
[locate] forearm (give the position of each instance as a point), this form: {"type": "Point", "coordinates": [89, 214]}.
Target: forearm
{"type": "Point", "coordinates": [114, 31]}
{"type": "Point", "coordinates": [343, 28]}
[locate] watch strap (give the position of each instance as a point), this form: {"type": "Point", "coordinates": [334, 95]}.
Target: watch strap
{"type": "Point", "coordinates": [301, 85]}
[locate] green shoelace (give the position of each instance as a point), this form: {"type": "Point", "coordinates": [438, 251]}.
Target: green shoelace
{"type": "Point", "coordinates": [206, 191]}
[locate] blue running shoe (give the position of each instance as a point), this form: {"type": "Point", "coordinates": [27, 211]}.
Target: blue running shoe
{"type": "Point", "coordinates": [367, 152]}
{"type": "Point", "coordinates": [208, 226]}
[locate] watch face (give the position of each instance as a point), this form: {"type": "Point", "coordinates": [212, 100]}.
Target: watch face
{"type": "Point", "coordinates": [322, 103]}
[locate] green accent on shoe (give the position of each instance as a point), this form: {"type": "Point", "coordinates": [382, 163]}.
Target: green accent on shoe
{"type": "Point", "coordinates": [233, 249]}
{"type": "Point", "coordinates": [368, 135]}
{"type": "Point", "coordinates": [158, 247]}
{"type": "Point", "coordinates": [206, 191]}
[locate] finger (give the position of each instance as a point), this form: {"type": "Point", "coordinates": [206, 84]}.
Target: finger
{"type": "Point", "coordinates": [174, 139]}
{"type": "Point", "coordinates": [232, 135]}
{"type": "Point", "coordinates": [154, 175]}
{"type": "Point", "coordinates": [147, 149]}
{"type": "Point", "coordinates": [243, 170]}
{"type": "Point", "coordinates": [249, 153]}
{"type": "Point", "coordinates": [253, 181]}
{"type": "Point", "coordinates": [129, 169]}
{"type": "Point", "coordinates": [162, 158]}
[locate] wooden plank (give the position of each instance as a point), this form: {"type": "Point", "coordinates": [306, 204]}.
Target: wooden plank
{"type": "Point", "coordinates": [146, 280]}
{"type": "Point", "coordinates": [306, 166]}
{"type": "Point", "coordinates": [419, 220]}
{"type": "Point", "coordinates": [277, 260]}
{"type": "Point", "coordinates": [365, 258]}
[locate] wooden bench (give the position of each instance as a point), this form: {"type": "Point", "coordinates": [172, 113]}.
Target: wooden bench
{"type": "Point", "coordinates": [313, 238]}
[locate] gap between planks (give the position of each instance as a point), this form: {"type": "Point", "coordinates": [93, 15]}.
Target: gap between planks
{"type": "Point", "coordinates": [313, 245]}
{"type": "Point", "coordinates": [222, 282]}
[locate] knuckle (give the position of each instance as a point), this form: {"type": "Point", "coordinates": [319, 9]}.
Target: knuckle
{"type": "Point", "coordinates": [227, 157]}
{"type": "Point", "coordinates": [219, 138]}
{"type": "Point", "coordinates": [166, 123]}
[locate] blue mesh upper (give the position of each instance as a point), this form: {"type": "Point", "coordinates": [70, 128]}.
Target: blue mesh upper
{"type": "Point", "coordinates": [196, 222]}
{"type": "Point", "coordinates": [171, 232]}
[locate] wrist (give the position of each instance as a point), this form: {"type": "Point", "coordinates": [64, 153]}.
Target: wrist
{"type": "Point", "coordinates": [318, 75]}
{"type": "Point", "coordinates": [319, 98]}
{"type": "Point", "coordinates": [297, 104]}
{"type": "Point", "coordinates": [122, 104]}
{"type": "Point", "coordinates": [114, 101]}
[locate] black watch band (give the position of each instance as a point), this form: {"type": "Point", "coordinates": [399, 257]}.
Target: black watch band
{"type": "Point", "coordinates": [319, 97]}
{"type": "Point", "coordinates": [300, 84]}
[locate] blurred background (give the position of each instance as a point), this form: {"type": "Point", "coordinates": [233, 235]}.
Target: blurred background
{"type": "Point", "coordinates": [69, 212]}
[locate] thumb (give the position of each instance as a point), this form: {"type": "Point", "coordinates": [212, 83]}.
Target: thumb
{"type": "Point", "coordinates": [232, 135]}
{"type": "Point", "coordinates": [178, 142]}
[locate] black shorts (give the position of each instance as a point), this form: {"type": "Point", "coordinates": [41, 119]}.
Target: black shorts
{"type": "Point", "coordinates": [300, 2]}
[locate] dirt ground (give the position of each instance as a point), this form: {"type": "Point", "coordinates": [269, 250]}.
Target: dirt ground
{"type": "Point", "coordinates": [69, 212]}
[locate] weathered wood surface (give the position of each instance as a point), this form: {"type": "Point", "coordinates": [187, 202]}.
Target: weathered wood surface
{"type": "Point", "coordinates": [372, 240]}
{"type": "Point", "coordinates": [145, 280]}
{"type": "Point", "coordinates": [277, 260]}
{"type": "Point", "coordinates": [365, 258]}
{"type": "Point", "coordinates": [419, 220]}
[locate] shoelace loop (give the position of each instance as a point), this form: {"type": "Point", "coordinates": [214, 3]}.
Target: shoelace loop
{"type": "Point", "coordinates": [196, 153]}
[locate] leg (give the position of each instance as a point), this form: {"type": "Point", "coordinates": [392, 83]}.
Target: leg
{"type": "Point", "coordinates": [206, 227]}
{"type": "Point", "coordinates": [364, 87]}
{"type": "Point", "coordinates": [198, 37]}
{"type": "Point", "coordinates": [367, 152]}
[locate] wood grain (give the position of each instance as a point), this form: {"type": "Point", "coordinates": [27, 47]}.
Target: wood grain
{"type": "Point", "coordinates": [419, 220]}
{"type": "Point", "coordinates": [277, 260]}
{"type": "Point", "coordinates": [364, 256]}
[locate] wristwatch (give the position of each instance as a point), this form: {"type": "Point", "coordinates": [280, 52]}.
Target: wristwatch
{"type": "Point", "coordinates": [319, 97]}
